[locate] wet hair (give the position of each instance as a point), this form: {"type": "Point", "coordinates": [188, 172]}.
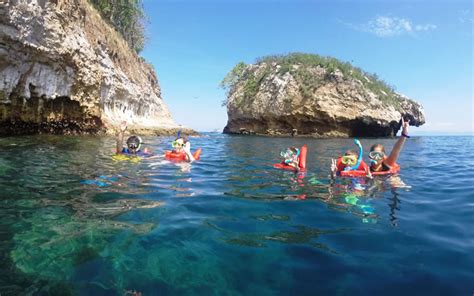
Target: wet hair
{"type": "Point", "coordinates": [294, 149]}
{"type": "Point", "coordinates": [377, 146]}
{"type": "Point", "coordinates": [184, 138]}
{"type": "Point", "coordinates": [351, 152]}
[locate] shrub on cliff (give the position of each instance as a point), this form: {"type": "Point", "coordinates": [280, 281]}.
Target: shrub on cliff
{"type": "Point", "coordinates": [127, 16]}
{"type": "Point", "coordinates": [232, 78]}
{"type": "Point", "coordinates": [301, 66]}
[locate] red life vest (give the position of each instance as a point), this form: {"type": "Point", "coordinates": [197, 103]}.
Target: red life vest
{"type": "Point", "coordinates": [301, 161]}
{"type": "Point", "coordinates": [362, 170]}
{"type": "Point", "coordinates": [340, 166]}
{"type": "Point", "coordinates": [181, 156]}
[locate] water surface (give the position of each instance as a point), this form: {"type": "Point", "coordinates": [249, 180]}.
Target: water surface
{"type": "Point", "coordinates": [75, 221]}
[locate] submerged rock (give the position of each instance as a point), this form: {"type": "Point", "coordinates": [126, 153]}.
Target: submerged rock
{"type": "Point", "coordinates": [304, 94]}
{"type": "Point", "coordinates": [63, 69]}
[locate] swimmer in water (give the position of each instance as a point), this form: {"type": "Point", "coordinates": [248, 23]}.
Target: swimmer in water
{"type": "Point", "coordinates": [351, 160]}
{"type": "Point", "coordinates": [291, 157]}
{"type": "Point", "coordinates": [379, 162]}
{"type": "Point", "coordinates": [133, 144]}
{"type": "Point", "coordinates": [182, 145]}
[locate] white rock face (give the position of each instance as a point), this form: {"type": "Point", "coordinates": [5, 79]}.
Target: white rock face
{"type": "Point", "coordinates": [60, 62]}
{"type": "Point", "coordinates": [334, 106]}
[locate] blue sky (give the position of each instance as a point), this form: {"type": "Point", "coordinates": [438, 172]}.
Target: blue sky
{"type": "Point", "coordinates": [423, 48]}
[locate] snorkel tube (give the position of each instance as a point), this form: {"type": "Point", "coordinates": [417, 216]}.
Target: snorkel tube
{"type": "Point", "coordinates": [359, 158]}
{"type": "Point", "coordinates": [174, 144]}
{"type": "Point", "coordinates": [373, 162]}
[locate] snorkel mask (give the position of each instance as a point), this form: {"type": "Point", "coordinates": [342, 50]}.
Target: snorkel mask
{"type": "Point", "coordinates": [375, 157]}
{"type": "Point", "coordinates": [178, 143]}
{"type": "Point", "coordinates": [286, 153]}
{"type": "Point", "coordinates": [134, 143]}
{"type": "Point", "coordinates": [350, 160]}
{"type": "Point", "coordinates": [289, 153]}
{"type": "Point", "coordinates": [353, 161]}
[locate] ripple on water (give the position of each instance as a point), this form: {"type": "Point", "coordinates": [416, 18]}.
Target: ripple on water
{"type": "Point", "coordinates": [73, 217]}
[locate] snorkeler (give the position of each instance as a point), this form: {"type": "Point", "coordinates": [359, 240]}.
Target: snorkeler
{"type": "Point", "coordinates": [291, 157]}
{"type": "Point", "coordinates": [349, 162]}
{"type": "Point", "coordinates": [133, 144]}
{"type": "Point", "coordinates": [181, 145]}
{"type": "Point", "coordinates": [379, 162]}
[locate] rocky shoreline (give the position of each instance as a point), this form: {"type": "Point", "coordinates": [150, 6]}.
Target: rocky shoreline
{"type": "Point", "coordinates": [13, 128]}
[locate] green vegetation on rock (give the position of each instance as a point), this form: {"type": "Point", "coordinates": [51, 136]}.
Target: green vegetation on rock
{"type": "Point", "coordinates": [232, 78]}
{"type": "Point", "coordinates": [303, 67]}
{"type": "Point", "coordinates": [239, 73]}
{"type": "Point", "coordinates": [127, 17]}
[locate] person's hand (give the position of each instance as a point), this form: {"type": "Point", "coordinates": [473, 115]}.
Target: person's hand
{"type": "Point", "coordinates": [405, 125]}
{"type": "Point", "coordinates": [123, 126]}
{"type": "Point", "coordinates": [121, 129]}
{"type": "Point", "coordinates": [368, 174]}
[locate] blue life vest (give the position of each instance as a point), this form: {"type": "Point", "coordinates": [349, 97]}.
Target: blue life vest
{"type": "Point", "coordinates": [138, 153]}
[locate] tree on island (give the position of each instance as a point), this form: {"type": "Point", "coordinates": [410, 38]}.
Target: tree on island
{"type": "Point", "coordinates": [127, 17]}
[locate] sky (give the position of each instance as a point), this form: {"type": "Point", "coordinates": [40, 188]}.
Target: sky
{"type": "Point", "coordinates": [423, 48]}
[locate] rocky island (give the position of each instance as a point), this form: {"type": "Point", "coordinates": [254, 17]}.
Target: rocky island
{"type": "Point", "coordinates": [307, 94]}
{"type": "Point", "coordinates": [65, 69]}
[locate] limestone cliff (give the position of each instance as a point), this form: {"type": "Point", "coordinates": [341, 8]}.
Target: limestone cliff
{"type": "Point", "coordinates": [311, 95]}
{"type": "Point", "coordinates": [63, 69]}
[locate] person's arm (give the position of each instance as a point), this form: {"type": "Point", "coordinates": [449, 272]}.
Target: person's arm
{"type": "Point", "coordinates": [296, 165]}
{"type": "Point", "coordinates": [187, 150]}
{"type": "Point", "coordinates": [295, 162]}
{"type": "Point", "coordinates": [392, 159]}
{"type": "Point", "coordinates": [366, 168]}
{"type": "Point", "coordinates": [119, 137]}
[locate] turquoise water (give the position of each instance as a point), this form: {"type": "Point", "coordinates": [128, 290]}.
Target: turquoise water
{"type": "Point", "coordinates": [74, 221]}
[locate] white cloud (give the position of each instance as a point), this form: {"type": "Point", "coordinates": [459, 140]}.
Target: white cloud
{"type": "Point", "coordinates": [383, 26]}
{"type": "Point", "coordinates": [387, 26]}
{"type": "Point", "coordinates": [426, 27]}
{"type": "Point", "coordinates": [465, 16]}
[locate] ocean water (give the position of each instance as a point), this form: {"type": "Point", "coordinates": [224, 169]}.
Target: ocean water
{"type": "Point", "coordinates": [74, 221]}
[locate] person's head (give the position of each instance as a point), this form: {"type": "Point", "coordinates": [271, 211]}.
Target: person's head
{"type": "Point", "coordinates": [133, 144]}
{"type": "Point", "coordinates": [179, 142]}
{"type": "Point", "coordinates": [349, 158]}
{"type": "Point", "coordinates": [377, 154]}
{"type": "Point", "coordinates": [351, 152]}
{"type": "Point", "coordinates": [290, 152]}
{"type": "Point", "coordinates": [294, 150]}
